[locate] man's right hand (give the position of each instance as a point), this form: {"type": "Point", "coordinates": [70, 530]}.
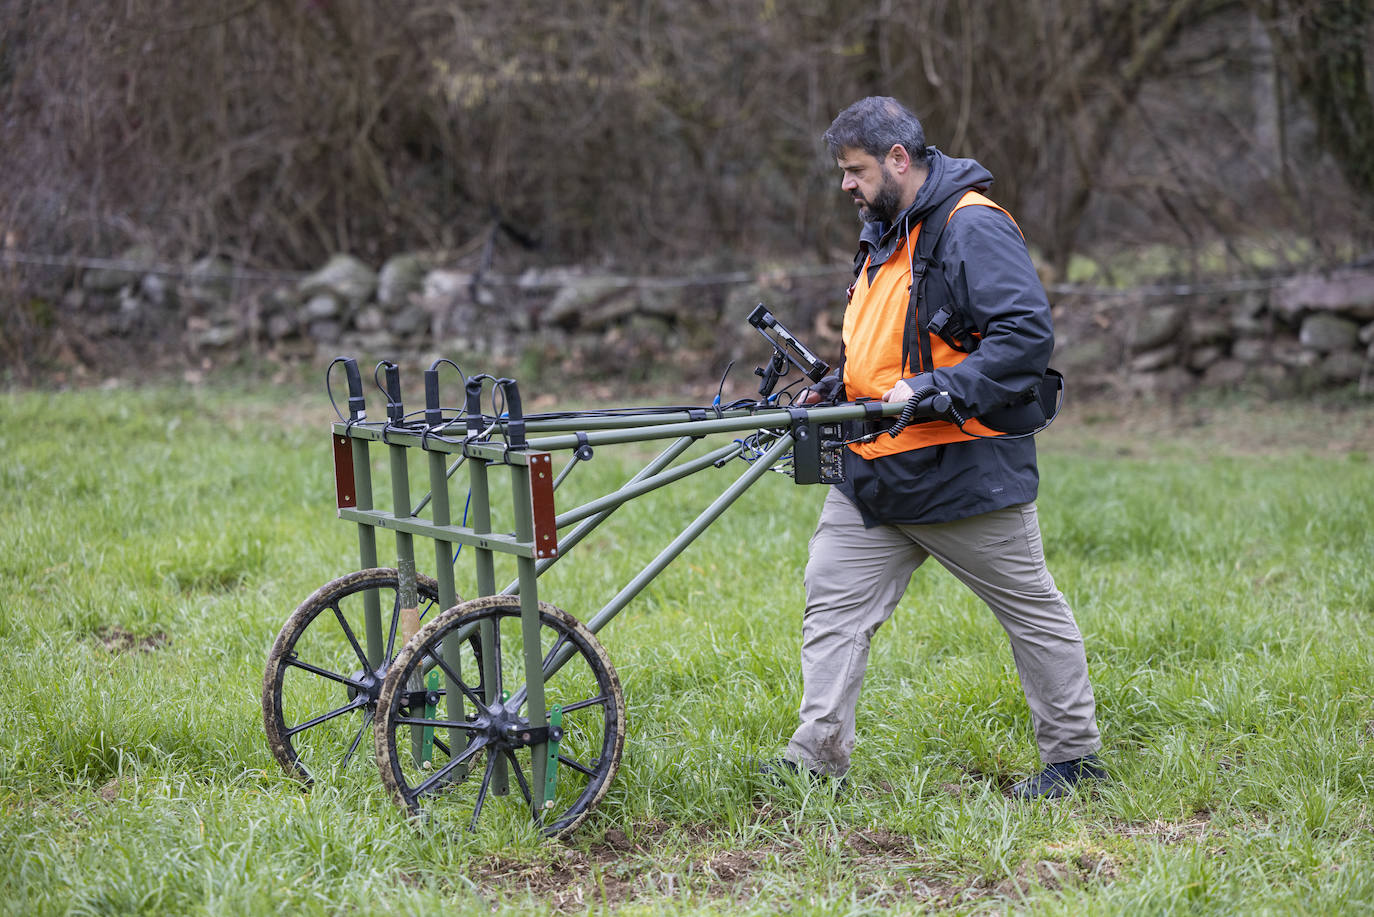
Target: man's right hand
{"type": "Point", "coordinates": [825, 390]}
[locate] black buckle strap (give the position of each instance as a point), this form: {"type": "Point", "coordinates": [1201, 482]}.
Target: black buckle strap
{"type": "Point", "coordinates": [952, 330]}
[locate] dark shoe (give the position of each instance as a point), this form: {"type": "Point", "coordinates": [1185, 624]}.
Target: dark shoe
{"type": "Point", "coordinates": [780, 770]}
{"type": "Point", "coordinates": [1059, 779]}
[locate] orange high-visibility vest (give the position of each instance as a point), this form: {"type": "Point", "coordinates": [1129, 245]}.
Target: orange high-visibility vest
{"type": "Point", "coordinates": [874, 323]}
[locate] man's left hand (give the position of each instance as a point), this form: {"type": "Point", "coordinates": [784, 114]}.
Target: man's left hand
{"type": "Point", "coordinates": [905, 388]}
{"type": "Point", "coordinates": [899, 392]}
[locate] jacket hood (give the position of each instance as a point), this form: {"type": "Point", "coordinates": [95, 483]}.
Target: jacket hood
{"type": "Point", "coordinates": [947, 176]}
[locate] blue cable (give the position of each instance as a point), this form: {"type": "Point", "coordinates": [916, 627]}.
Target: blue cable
{"type": "Point", "coordinates": [466, 504]}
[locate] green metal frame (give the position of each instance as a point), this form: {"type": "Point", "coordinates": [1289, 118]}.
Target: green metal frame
{"type": "Point", "coordinates": [524, 448]}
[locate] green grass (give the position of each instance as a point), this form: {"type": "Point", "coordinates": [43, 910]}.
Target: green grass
{"type": "Point", "coordinates": [153, 541]}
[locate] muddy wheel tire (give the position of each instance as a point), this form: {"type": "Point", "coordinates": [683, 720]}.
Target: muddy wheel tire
{"type": "Point", "coordinates": [319, 691]}
{"type": "Point", "coordinates": [488, 735]}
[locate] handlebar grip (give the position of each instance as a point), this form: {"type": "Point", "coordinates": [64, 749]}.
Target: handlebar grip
{"type": "Point", "coordinates": [515, 422]}
{"type": "Point", "coordinates": [927, 404]}
{"type": "Point", "coordinates": [395, 410]}
{"type": "Point", "coordinates": [473, 390]}
{"type": "Point", "coordinates": [433, 414]}
{"type": "Point", "coordinates": [357, 405]}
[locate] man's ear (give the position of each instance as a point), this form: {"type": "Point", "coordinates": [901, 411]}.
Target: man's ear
{"type": "Point", "coordinates": [901, 159]}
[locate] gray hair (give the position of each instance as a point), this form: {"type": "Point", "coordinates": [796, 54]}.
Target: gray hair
{"type": "Point", "coordinates": [875, 125]}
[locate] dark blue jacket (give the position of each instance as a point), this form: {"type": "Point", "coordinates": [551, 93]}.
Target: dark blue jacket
{"type": "Point", "coordinates": [984, 271]}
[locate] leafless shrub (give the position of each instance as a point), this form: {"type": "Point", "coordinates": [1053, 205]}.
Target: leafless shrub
{"type": "Point", "coordinates": [661, 133]}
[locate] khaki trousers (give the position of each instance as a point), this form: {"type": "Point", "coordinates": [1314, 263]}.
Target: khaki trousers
{"type": "Point", "coordinates": [855, 578]}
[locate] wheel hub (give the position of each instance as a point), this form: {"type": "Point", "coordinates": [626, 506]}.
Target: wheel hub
{"type": "Point", "coordinates": [371, 685]}
{"type": "Point", "coordinates": [503, 726]}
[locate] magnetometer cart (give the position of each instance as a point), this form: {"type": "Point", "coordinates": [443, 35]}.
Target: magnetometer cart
{"type": "Point", "coordinates": [505, 693]}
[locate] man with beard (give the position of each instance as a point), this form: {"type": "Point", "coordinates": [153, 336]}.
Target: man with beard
{"type": "Point", "coordinates": [962, 492]}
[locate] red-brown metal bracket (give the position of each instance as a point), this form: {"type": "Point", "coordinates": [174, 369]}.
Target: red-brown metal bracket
{"type": "Point", "coordinates": [541, 498]}
{"type": "Point", "coordinates": [344, 485]}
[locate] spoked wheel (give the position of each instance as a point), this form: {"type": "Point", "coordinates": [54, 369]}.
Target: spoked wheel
{"type": "Point", "coordinates": [486, 761]}
{"type": "Point", "coordinates": [320, 691]}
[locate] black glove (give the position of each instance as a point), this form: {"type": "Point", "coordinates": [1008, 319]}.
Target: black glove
{"type": "Point", "coordinates": [829, 389]}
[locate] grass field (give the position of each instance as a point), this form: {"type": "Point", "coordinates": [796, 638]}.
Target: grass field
{"type": "Point", "coordinates": [1219, 558]}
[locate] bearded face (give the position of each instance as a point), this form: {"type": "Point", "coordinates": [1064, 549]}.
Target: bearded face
{"type": "Point", "coordinates": [871, 185]}
{"type": "Point", "coordinates": [884, 203]}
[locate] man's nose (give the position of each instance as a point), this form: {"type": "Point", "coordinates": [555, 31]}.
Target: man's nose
{"type": "Point", "coordinates": [848, 183]}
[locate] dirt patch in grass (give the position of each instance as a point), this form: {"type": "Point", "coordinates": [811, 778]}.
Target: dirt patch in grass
{"type": "Point", "coordinates": [648, 863]}
{"type": "Point", "coordinates": [1053, 875]}
{"type": "Point", "coordinates": [118, 640]}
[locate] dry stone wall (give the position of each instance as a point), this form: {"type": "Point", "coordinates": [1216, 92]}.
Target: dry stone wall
{"type": "Point", "coordinates": [1288, 335]}
{"type": "Point", "coordinates": [1292, 335]}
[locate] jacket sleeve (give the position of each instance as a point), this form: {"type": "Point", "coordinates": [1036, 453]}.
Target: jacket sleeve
{"type": "Point", "coordinates": [990, 277]}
